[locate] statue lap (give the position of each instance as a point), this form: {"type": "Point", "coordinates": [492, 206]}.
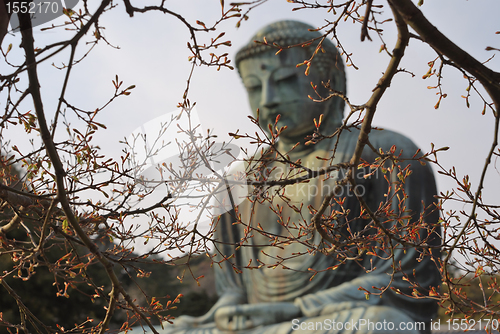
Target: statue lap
{"type": "Point", "coordinates": [340, 318]}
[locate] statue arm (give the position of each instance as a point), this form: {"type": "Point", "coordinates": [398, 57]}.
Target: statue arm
{"type": "Point", "coordinates": [346, 295]}
{"type": "Point", "coordinates": [228, 284]}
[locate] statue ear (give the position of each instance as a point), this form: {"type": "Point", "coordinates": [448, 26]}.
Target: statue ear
{"type": "Point", "coordinates": [338, 104]}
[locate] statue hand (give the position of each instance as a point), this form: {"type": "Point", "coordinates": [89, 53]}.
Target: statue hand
{"type": "Point", "coordinates": [241, 317]}
{"type": "Point", "coordinates": [224, 301]}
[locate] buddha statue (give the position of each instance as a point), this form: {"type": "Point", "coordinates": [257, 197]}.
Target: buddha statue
{"type": "Point", "coordinates": [259, 297]}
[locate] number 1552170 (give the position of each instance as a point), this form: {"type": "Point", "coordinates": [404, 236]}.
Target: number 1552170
{"type": "Point", "coordinates": [33, 8]}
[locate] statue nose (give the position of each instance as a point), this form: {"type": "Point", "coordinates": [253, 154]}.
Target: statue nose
{"type": "Point", "coordinates": [270, 96]}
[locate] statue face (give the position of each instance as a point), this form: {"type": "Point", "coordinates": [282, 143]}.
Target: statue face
{"type": "Point", "coordinates": [276, 86]}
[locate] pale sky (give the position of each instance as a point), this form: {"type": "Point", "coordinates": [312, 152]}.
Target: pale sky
{"type": "Point", "coordinates": [153, 56]}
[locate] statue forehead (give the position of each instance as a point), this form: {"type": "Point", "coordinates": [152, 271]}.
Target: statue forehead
{"type": "Point", "coordinates": [270, 60]}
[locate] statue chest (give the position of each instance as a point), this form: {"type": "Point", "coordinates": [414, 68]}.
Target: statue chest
{"type": "Point", "coordinates": [281, 227]}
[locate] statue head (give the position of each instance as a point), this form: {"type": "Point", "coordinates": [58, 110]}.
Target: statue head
{"type": "Point", "coordinates": [275, 85]}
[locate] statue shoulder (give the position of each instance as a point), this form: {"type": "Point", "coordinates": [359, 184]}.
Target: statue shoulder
{"type": "Point", "coordinates": [385, 139]}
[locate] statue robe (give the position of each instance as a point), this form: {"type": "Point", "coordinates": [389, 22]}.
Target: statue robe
{"type": "Point", "coordinates": [331, 294]}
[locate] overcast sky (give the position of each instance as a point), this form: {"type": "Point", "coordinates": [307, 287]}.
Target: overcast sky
{"type": "Point", "coordinates": [153, 56]}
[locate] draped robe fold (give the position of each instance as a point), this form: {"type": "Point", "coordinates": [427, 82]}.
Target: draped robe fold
{"type": "Point", "coordinates": [332, 292]}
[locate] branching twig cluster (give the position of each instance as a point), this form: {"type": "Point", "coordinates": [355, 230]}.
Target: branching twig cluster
{"type": "Point", "coordinates": [68, 196]}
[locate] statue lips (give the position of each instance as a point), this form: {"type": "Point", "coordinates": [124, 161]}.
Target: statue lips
{"type": "Point", "coordinates": [268, 115]}
{"type": "Point", "coordinates": [271, 116]}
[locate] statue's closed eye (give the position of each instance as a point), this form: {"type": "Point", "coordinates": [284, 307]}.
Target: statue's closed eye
{"type": "Point", "coordinates": [253, 88]}
{"type": "Point", "coordinates": [252, 84]}
{"type": "Point", "coordinates": [285, 74]}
